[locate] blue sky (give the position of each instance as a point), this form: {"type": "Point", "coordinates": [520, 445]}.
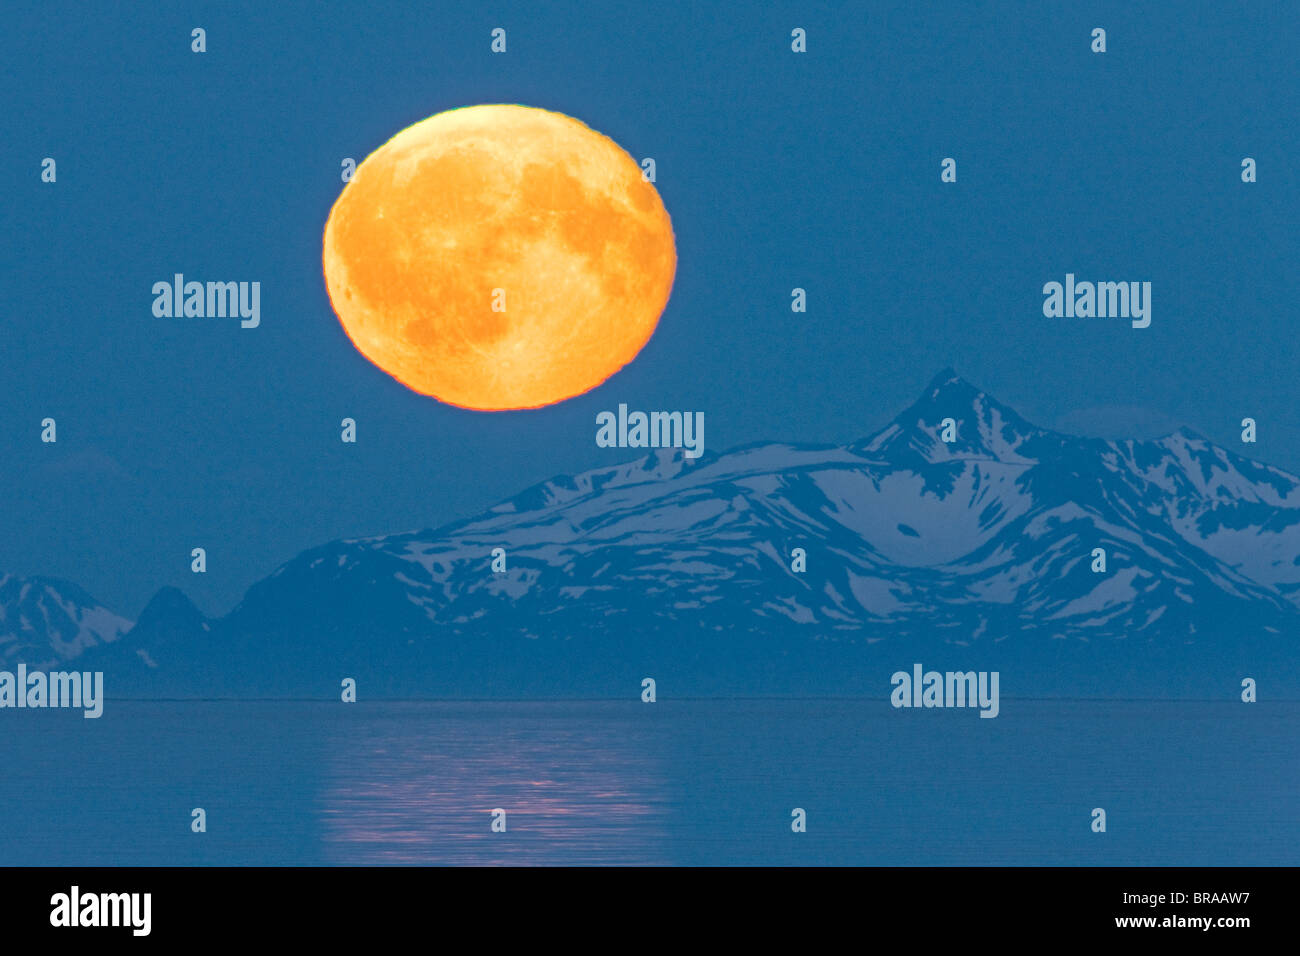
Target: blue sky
{"type": "Point", "coordinates": [779, 170]}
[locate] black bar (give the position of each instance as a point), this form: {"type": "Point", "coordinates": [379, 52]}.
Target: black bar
{"type": "Point", "coordinates": [332, 906]}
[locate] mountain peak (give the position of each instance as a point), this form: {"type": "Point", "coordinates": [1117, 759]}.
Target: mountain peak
{"type": "Point", "coordinates": [46, 619]}
{"type": "Point", "coordinates": [169, 626]}
{"type": "Point", "coordinates": [950, 387]}
{"type": "Point", "coordinates": [981, 426]}
{"type": "Point", "coordinates": [169, 604]}
{"type": "Point", "coordinates": [1189, 434]}
{"type": "Point", "coordinates": [945, 377]}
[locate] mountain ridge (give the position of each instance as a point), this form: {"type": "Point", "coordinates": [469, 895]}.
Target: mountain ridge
{"type": "Point", "coordinates": [911, 543]}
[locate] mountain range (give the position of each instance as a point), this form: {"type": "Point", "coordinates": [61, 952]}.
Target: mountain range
{"type": "Point", "coordinates": [975, 553]}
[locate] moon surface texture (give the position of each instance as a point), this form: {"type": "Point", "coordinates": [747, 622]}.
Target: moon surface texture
{"type": "Point", "coordinates": [499, 257]}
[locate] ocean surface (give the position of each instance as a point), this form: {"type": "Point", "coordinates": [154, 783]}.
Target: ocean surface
{"type": "Point", "coordinates": [673, 782]}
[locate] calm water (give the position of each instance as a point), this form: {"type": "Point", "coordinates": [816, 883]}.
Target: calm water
{"type": "Point", "coordinates": [685, 782]}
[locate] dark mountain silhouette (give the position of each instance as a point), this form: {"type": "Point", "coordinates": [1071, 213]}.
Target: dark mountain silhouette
{"type": "Point", "coordinates": [170, 632]}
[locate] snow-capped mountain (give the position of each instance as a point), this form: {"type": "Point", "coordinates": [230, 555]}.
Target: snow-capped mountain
{"type": "Point", "coordinates": [44, 621]}
{"type": "Point", "coordinates": [979, 549]}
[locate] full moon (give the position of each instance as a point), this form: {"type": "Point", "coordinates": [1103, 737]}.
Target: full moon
{"type": "Point", "coordinates": [499, 257]}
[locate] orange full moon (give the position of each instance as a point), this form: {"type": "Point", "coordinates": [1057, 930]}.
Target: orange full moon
{"type": "Point", "coordinates": [499, 257]}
